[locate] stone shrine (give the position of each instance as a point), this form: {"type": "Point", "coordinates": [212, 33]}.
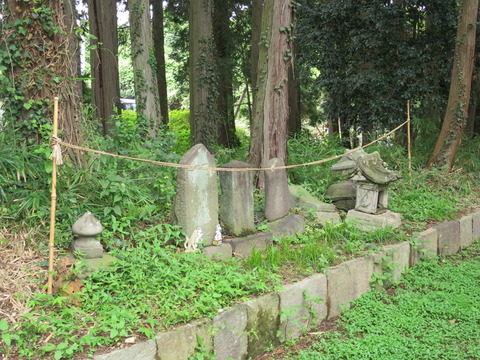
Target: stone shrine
{"type": "Point", "coordinates": [371, 178]}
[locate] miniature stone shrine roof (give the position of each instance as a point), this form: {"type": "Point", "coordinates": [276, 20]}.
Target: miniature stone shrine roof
{"type": "Point", "coordinates": [361, 166]}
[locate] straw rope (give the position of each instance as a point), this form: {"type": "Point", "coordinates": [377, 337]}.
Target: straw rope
{"type": "Point", "coordinates": [57, 142]}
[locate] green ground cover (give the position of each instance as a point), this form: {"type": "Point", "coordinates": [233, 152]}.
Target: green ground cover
{"type": "Point", "coordinates": [432, 313]}
{"type": "Point", "coordinates": [153, 284]}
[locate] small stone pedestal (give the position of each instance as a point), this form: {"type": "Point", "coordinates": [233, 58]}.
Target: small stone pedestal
{"type": "Point", "coordinates": [369, 222]}
{"type": "Point", "coordinates": [86, 228]}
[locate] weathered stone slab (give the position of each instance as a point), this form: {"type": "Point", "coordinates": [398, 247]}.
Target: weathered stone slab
{"type": "Point", "coordinates": [196, 201]}
{"type": "Point", "coordinates": [289, 225]}
{"type": "Point", "coordinates": [343, 190]}
{"type": "Point", "coordinates": [299, 197]}
{"type": "Point", "coordinates": [236, 200]}
{"type": "Point", "coordinates": [181, 343]}
{"type": "Point", "coordinates": [243, 246]}
{"type": "Point", "coordinates": [476, 225]}
{"type": "Point", "coordinates": [466, 231]}
{"type": "Point", "coordinates": [230, 337]}
{"type": "Point", "coordinates": [368, 222]}
{"type": "Point", "coordinates": [141, 351]}
{"type": "Point", "coordinates": [277, 195]}
{"type": "Point", "coordinates": [302, 305]}
{"type": "Point", "coordinates": [390, 263]}
{"type": "Point", "coordinates": [448, 237]}
{"type": "Point", "coordinates": [323, 218]}
{"type": "Point", "coordinates": [346, 282]}
{"type": "Point", "coordinates": [400, 257]}
{"type": "Point", "coordinates": [223, 251]}
{"type": "Point", "coordinates": [426, 245]}
{"type": "Point", "coordinates": [263, 316]}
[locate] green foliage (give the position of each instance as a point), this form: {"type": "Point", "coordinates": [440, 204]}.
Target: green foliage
{"type": "Point", "coordinates": [370, 57]}
{"type": "Point", "coordinates": [306, 148]}
{"type": "Point", "coordinates": [432, 315]}
{"type": "Point", "coordinates": [134, 295]}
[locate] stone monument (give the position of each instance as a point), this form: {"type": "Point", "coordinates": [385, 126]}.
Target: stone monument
{"type": "Point", "coordinates": [236, 199]}
{"type": "Point", "coordinates": [86, 228]}
{"type": "Point", "coordinates": [277, 193]}
{"type": "Point", "coordinates": [196, 201]}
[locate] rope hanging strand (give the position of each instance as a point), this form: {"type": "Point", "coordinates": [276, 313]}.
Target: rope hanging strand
{"type": "Point", "coordinates": [196, 167]}
{"type": "Point", "coordinates": [56, 154]}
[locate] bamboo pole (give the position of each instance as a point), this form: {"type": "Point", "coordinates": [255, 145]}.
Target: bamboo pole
{"type": "Point", "coordinates": [53, 204]}
{"type": "Point", "coordinates": [409, 143]}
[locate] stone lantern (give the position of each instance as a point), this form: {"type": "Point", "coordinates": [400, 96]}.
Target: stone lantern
{"type": "Point", "coordinates": [371, 178]}
{"type": "Point", "coordinates": [86, 228]}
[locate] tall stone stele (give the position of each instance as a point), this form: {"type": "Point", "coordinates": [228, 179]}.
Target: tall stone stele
{"type": "Point", "coordinates": [87, 228]}
{"type": "Point", "coordinates": [196, 201]}
{"type": "Point", "coordinates": [236, 200]}
{"type": "Point", "coordinates": [277, 193]}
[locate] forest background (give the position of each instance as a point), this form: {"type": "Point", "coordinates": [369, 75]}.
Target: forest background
{"type": "Point", "coordinates": [252, 80]}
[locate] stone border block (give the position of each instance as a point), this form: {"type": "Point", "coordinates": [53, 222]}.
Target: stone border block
{"type": "Point", "coordinates": [223, 251]}
{"type": "Point", "coordinates": [400, 258]}
{"type": "Point", "coordinates": [466, 231]}
{"type": "Point", "coordinates": [346, 282]}
{"type": "Point", "coordinates": [448, 237]}
{"type": "Point", "coordinates": [181, 342]}
{"type": "Point", "coordinates": [476, 226]}
{"type": "Point", "coordinates": [426, 246]}
{"type": "Point", "coordinates": [302, 305]}
{"type": "Point", "coordinates": [243, 246]}
{"type": "Point", "coordinates": [142, 351]}
{"type": "Point", "coordinates": [263, 319]}
{"type": "Point", "coordinates": [230, 336]}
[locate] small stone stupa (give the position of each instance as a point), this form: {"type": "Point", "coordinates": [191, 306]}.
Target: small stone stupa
{"type": "Point", "coordinates": [86, 228]}
{"type": "Point", "coordinates": [371, 178]}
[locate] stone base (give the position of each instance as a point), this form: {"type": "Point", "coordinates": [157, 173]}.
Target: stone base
{"type": "Point", "coordinates": [243, 246]}
{"type": "Point", "coordinates": [287, 226]}
{"type": "Point", "coordinates": [323, 218]}
{"type": "Point", "coordinates": [369, 222]}
{"type": "Point", "coordinates": [89, 247]}
{"type": "Point", "coordinates": [94, 264]}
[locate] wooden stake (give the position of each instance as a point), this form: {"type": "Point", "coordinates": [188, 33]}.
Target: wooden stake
{"type": "Point", "coordinates": [409, 143]}
{"type": "Point", "coordinates": [53, 204]}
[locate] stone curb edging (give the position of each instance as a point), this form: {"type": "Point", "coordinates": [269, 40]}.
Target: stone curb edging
{"type": "Point", "coordinates": [246, 330]}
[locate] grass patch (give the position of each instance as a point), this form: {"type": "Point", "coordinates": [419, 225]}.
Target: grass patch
{"type": "Point", "coordinates": [432, 314]}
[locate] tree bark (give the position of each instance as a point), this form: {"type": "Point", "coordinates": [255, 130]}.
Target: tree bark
{"type": "Point", "coordinates": [225, 101]}
{"type": "Point", "coordinates": [457, 108]}
{"type": "Point", "coordinates": [271, 107]}
{"type": "Point", "coordinates": [146, 88]}
{"type": "Point", "coordinates": [159, 47]}
{"type": "Point", "coordinates": [45, 67]}
{"type": "Point", "coordinates": [203, 75]}
{"type": "Point", "coordinates": [104, 60]}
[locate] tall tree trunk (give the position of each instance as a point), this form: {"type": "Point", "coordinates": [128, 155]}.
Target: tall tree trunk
{"type": "Point", "coordinates": [203, 75]}
{"type": "Point", "coordinates": [225, 100]}
{"type": "Point", "coordinates": [146, 88]}
{"type": "Point", "coordinates": [104, 60]}
{"type": "Point", "coordinates": [457, 108]}
{"type": "Point", "coordinates": [294, 120]}
{"type": "Point", "coordinates": [159, 47]}
{"type": "Point", "coordinates": [271, 108]}
{"type": "Point", "coordinates": [37, 73]}
{"type": "Point", "coordinates": [257, 11]}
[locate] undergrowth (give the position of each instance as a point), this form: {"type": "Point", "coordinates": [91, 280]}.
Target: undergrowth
{"type": "Point", "coordinates": [433, 314]}
{"type": "Point", "coordinates": [152, 284]}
